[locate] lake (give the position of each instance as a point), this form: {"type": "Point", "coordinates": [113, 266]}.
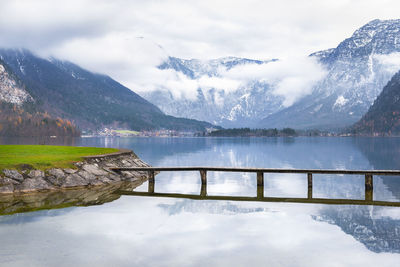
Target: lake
{"type": "Point", "coordinates": [155, 231]}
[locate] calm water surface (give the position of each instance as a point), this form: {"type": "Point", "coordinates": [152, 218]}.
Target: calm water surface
{"type": "Point", "coordinates": [150, 231]}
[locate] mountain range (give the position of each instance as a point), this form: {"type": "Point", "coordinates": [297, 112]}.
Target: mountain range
{"type": "Point", "coordinates": [356, 71]}
{"type": "Point", "coordinates": [354, 74]}
{"type": "Point", "coordinates": [228, 108]}
{"type": "Point", "coordinates": [90, 100]}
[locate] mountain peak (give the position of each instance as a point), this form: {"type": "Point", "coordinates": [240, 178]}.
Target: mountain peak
{"type": "Point", "coordinates": [375, 37]}
{"type": "Point", "coordinates": [195, 68]}
{"type": "Point", "coordinates": [355, 77]}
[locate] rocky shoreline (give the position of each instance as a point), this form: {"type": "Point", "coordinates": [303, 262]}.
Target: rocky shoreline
{"type": "Point", "coordinates": [92, 171]}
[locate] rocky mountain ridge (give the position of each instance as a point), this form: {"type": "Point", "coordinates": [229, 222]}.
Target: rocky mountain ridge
{"type": "Point", "coordinates": [357, 69]}
{"type": "Point", "coordinates": [241, 107]}
{"type": "Point", "coordinates": [357, 72]}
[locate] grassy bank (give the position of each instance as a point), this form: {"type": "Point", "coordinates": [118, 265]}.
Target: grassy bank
{"type": "Point", "coordinates": [45, 157]}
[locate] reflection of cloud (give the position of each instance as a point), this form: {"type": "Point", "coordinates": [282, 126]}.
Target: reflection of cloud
{"type": "Point", "coordinates": [288, 185]}
{"type": "Point", "coordinates": [136, 231]}
{"type": "Point", "coordinates": [223, 207]}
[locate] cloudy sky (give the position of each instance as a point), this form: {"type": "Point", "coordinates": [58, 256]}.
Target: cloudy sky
{"type": "Point", "coordinates": [123, 38]}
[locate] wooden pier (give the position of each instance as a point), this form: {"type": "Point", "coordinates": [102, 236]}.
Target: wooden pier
{"type": "Point", "coordinates": [368, 174]}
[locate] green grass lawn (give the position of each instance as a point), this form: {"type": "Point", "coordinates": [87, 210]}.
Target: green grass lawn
{"type": "Point", "coordinates": [45, 157]}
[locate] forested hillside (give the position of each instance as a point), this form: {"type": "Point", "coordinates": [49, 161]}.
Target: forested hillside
{"type": "Point", "coordinates": [383, 117]}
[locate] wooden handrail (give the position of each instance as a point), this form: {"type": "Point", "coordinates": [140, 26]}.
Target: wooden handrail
{"type": "Point", "coordinates": [263, 170]}
{"type": "Point", "coordinates": [368, 174]}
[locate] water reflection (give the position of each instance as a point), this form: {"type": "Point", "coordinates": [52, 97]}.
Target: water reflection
{"type": "Point", "coordinates": [40, 140]}
{"type": "Point", "coordinates": [149, 231]}
{"type": "Point", "coordinates": [383, 153]}
{"type": "Point", "coordinates": [372, 226]}
{"type": "Point", "coordinates": [98, 195]}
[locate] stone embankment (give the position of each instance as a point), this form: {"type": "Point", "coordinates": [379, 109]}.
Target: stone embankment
{"type": "Point", "coordinates": [92, 171]}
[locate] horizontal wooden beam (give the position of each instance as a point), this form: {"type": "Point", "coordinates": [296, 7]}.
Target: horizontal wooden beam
{"type": "Point", "coordinates": [265, 199]}
{"type": "Point", "coordinates": [262, 170]}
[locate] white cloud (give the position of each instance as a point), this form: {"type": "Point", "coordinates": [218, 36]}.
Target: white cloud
{"type": "Point", "coordinates": [297, 78]}
{"type": "Point", "coordinates": [292, 78]}
{"type": "Point", "coordinates": [219, 83]}
{"type": "Point", "coordinates": [390, 62]}
{"type": "Point", "coordinates": [102, 36]}
{"type": "Point", "coordinates": [133, 62]}
{"type": "Point", "coordinates": [193, 29]}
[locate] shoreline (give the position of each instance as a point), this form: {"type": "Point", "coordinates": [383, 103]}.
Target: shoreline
{"type": "Point", "coordinates": [92, 171]}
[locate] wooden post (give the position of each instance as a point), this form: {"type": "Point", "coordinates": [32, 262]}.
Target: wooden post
{"type": "Point", "coordinates": [203, 190]}
{"type": "Point", "coordinates": [260, 184]}
{"type": "Point", "coordinates": [369, 187]}
{"type": "Point", "coordinates": [151, 182]}
{"type": "Point", "coordinates": [310, 185]}
{"type": "Point", "coordinates": [260, 179]}
{"type": "Point", "coordinates": [260, 191]}
{"type": "Point", "coordinates": [151, 176]}
{"type": "Point", "coordinates": [203, 175]}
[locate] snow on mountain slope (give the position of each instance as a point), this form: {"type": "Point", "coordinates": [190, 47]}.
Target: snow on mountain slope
{"type": "Point", "coordinates": [358, 69]}
{"type": "Point", "coordinates": [332, 88]}
{"type": "Point", "coordinates": [233, 92]}
{"type": "Point", "coordinates": [11, 90]}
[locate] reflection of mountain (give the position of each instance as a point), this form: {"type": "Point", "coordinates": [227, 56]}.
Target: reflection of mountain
{"type": "Point", "coordinates": [365, 223]}
{"type": "Point", "coordinates": [384, 154]}
{"type": "Point", "coordinates": [250, 152]}
{"type": "Point", "coordinates": [377, 233]}
{"type": "Point", "coordinates": [154, 150]}
{"type": "Point", "coordinates": [43, 140]}
{"type": "Point", "coordinates": [313, 153]}
{"type": "Point", "coordinates": [211, 207]}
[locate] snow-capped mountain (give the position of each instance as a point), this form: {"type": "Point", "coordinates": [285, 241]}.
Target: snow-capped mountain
{"type": "Point", "coordinates": [242, 106]}
{"type": "Point", "coordinates": [11, 90]}
{"type": "Point", "coordinates": [358, 69]}
{"type": "Point", "coordinates": [195, 68]}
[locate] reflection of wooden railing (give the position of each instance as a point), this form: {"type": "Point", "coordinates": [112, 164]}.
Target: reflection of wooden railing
{"type": "Point", "coordinates": [368, 174]}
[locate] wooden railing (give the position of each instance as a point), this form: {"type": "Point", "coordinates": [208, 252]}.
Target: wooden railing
{"type": "Point", "coordinates": [368, 174]}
